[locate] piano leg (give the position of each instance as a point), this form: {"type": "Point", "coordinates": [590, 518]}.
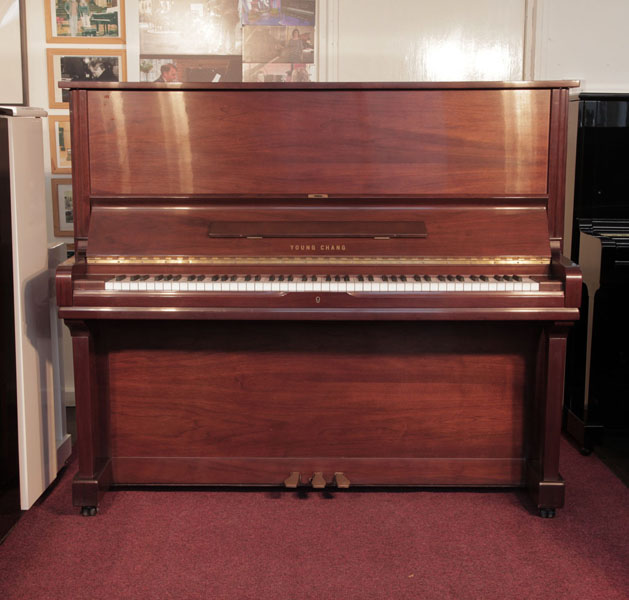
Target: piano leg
{"type": "Point", "coordinates": [545, 484]}
{"type": "Point", "coordinates": [94, 475]}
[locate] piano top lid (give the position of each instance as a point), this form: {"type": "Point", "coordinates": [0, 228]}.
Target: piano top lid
{"type": "Point", "coordinates": [424, 85]}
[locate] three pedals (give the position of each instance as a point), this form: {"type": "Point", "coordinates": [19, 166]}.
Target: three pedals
{"type": "Point", "coordinates": [317, 481]}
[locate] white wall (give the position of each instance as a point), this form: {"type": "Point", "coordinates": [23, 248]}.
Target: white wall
{"type": "Point", "coordinates": [10, 52]}
{"type": "Point", "coordinates": [586, 40]}
{"type": "Point", "coordinates": [450, 40]}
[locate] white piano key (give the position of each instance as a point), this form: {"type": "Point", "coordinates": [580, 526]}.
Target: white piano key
{"type": "Point", "coordinates": [109, 284]}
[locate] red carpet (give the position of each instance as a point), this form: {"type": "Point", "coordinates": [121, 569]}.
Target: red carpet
{"type": "Point", "coordinates": [276, 544]}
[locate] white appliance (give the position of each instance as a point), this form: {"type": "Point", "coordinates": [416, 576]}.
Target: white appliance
{"type": "Point", "coordinates": [23, 186]}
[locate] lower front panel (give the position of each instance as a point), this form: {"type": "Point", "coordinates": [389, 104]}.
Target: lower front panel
{"type": "Point", "coordinates": [385, 403]}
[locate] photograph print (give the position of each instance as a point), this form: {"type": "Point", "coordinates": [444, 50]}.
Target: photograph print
{"type": "Point", "coordinates": [278, 12]}
{"type": "Point", "coordinates": [60, 143]}
{"type": "Point", "coordinates": [278, 44]}
{"type": "Point", "coordinates": [183, 27]}
{"type": "Point", "coordinates": [85, 21]}
{"type": "Point", "coordinates": [278, 72]}
{"type": "Point", "coordinates": [66, 64]}
{"type": "Point", "coordinates": [196, 69]}
{"type": "Point", "coordinates": [62, 211]}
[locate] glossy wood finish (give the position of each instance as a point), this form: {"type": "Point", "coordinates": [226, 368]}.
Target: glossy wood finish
{"type": "Point", "coordinates": [320, 141]}
{"type": "Point", "coordinates": [181, 229]}
{"type": "Point", "coordinates": [259, 385]}
{"type": "Point", "coordinates": [415, 389]}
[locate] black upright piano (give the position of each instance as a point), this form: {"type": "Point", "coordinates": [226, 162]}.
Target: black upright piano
{"type": "Point", "coordinates": [598, 359]}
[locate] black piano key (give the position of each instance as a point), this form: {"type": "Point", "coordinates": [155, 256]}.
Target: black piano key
{"type": "Point", "coordinates": [361, 278]}
{"type": "Point", "coordinates": [280, 278]}
{"type": "Point", "coordinates": [346, 278]}
{"type": "Point", "coordinates": [474, 277]}
{"type": "Point", "coordinates": [192, 277]}
{"type": "Point", "coordinates": [328, 278]}
{"type": "Point", "coordinates": [313, 278]}
{"type": "Point", "coordinates": [120, 277]}
{"type": "Point", "coordinates": [417, 277]}
{"type": "Point", "coordinates": [271, 277]}
{"type": "Point", "coordinates": [159, 277]}
{"type": "Point", "coordinates": [224, 277]}
{"type": "Point", "coordinates": [441, 277]}
{"type": "Point", "coordinates": [247, 277]}
{"type": "Point", "coordinates": [507, 277]}
{"type": "Point", "coordinates": [517, 278]}
{"type": "Point", "coordinates": [257, 278]}
{"type": "Point", "coordinates": [168, 278]}
{"type": "Point", "coordinates": [460, 278]}
{"type": "Point", "coordinates": [289, 278]}
{"type": "Point", "coordinates": [402, 277]}
{"type": "Point", "coordinates": [337, 278]}
{"type": "Point", "coordinates": [385, 278]}
{"type": "Point", "coordinates": [484, 278]}
{"type": "Point", "coordinates": [144, 277]}
{"type": "Point", "coordinates": [233, 278]}
{"type": "Point", "coordinates": [370, 277]}
{"type": "Point", "coordinates": [393, 278]}
{"type": "Point", "coordinates": [214, 277]}
{"type": "Point", "coordinates": [200, 277]}
{"type": "Point", "coordinates": [427, 278]}
{"type": "Point", "coordinates": [498, 277]}
{"type": "Point", "coordinates": [176, 277]}
{"type": "Point", "coordinates": [135, 277]}
{"type": "Point", "coordinates": [304, 277]}
{"type": "Point", "coordinates": [451, 278]}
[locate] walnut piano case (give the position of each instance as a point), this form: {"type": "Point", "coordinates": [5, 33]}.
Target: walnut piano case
{"type": "Point", "coordinates": [326, 285]}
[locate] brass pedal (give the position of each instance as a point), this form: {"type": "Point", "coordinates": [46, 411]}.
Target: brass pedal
{"type": "Point", "coordinates": [293, 480]}
{"type": "Point", "coordinates": [340, 480]}
{"type": "Point", "coordinates": [318, 482]}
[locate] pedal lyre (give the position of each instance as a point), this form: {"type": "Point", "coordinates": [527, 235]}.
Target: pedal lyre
{"type": "Point", "coordinates": [293, 480]}
{"type": "Point", "coordinates": [340, 480]}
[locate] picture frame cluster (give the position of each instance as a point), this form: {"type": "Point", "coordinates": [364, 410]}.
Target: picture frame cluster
{"type": "Point", "coordinates": [91, 32]}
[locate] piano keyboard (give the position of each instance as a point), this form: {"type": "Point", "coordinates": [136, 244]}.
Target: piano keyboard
{"type": "Point", "coordinates": [322, 283]}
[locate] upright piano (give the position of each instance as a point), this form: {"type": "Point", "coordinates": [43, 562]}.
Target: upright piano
{"type": "Point", "coordinates": [322, 285]}
{"type": "Point", "coordinates": [596, 398]}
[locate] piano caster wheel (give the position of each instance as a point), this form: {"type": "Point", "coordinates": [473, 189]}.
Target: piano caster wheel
{"type": "Point", "coordinates": [547, 513]}
{"type": "Point", "coordinates": [88, 511]}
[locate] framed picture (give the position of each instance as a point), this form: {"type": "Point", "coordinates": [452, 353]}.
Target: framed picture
{"type": "Point", "coordinates": [85, 21]}
{"type": "Point", "coordinates": [62, 211]}
{"type": "Point", "coordinates": [60, 144]}
{"type": "Point", "coordinates": [65, 64]}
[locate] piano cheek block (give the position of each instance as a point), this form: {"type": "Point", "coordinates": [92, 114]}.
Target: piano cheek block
{"type": "Point", "coordinates": [403, 320]}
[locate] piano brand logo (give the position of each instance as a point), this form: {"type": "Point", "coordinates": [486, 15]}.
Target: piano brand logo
{"type": "Point", "coordinates": [321, 247]}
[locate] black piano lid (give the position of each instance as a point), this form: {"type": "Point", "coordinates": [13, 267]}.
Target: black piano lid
{"type": "Point", "coordinates": [604, 110]}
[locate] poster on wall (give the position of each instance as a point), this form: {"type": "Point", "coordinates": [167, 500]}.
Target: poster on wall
{"type": "Point", "coordinates": [278, 44]}
{"type": "Point", "coordinates": [60, 144]}
{"type": "Point", "coordinates": [197, 69]}
{"type": "Point", "coordinates": [62, 211]}
{"type": "Point", "coordinates": [85, 21]}
{"type": "Point", "coordinates": [278, 72]}
{"type": "Point", "coordinates": [65, 64]}
{"type": "Point", "coordinates": [180, 27]}
{"type": "Point", "coordinates": [278, 12]}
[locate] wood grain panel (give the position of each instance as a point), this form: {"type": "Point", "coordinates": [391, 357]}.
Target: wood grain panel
{"type": "Point", "coordinates": [360, 471]}
{"type": "Point", "coordinates": [319, 390]}
{"type": "Point", "coordinates": [319, 141]}
{"type": "Point", "coordinates": [452, 229]}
